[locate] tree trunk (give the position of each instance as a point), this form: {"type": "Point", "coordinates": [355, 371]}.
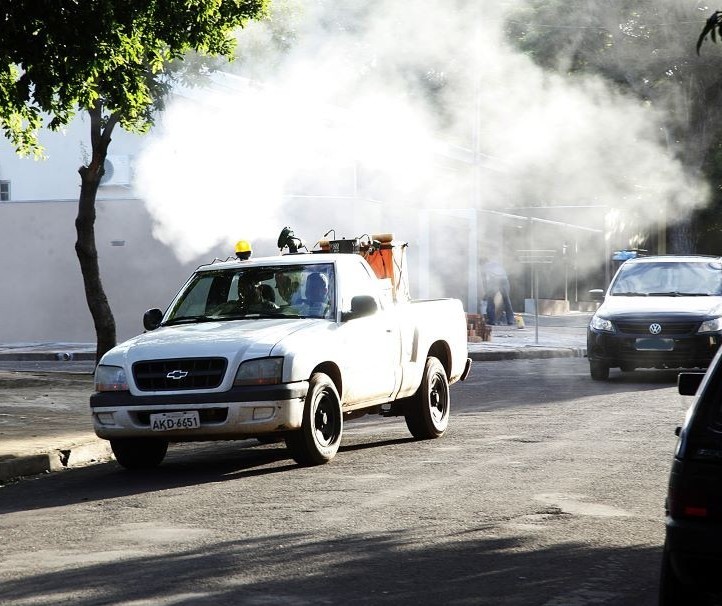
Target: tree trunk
{"type": "Point", "coordinates": [681, 238]}
{"type": "Point", "coordinates": [85, 227]}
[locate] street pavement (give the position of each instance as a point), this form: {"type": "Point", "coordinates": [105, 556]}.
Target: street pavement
{"type": "Point", "coordinates": [45, 388]}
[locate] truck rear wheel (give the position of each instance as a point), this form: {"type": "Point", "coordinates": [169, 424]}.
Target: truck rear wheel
{"type": "Point", "coordinates": [139, 453]}
{"type": "Point", "coordinates": [320, 435]}
{"type": "Point", "coordinates": [427, 413]}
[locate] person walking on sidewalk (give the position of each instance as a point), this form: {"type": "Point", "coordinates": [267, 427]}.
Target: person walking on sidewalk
{"type": "Point", "coordinates": [496, 281]}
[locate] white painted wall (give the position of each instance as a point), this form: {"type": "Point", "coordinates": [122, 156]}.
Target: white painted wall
{"type": "Point", "coordinates": [56, 177]}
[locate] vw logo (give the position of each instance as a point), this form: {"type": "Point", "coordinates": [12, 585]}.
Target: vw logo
{"type": "Point", "coordinates": [655, 328]}
{"type": "Point", "coordinates": [179, 374]}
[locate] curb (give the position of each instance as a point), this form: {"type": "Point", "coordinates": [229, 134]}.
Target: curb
{"type": "Point", "coordinates": [15, 467]}
{"type": "Point", "coordinates": [51, 356]}
{"type": "Point", "coordinates": [528, 353]}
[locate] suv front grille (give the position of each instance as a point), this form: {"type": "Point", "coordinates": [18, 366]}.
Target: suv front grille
{"type": "Point", "coordinates": [641, 327]}
{"type": "Point", "coordinates": [180, 373]}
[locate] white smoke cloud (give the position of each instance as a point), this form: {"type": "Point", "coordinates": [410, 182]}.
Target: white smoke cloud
{"type": "Point", "coordinates": [386, 90]}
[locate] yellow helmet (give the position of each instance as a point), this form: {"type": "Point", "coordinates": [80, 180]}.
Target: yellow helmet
{"type": "Point", "coordinates": [243, 246]}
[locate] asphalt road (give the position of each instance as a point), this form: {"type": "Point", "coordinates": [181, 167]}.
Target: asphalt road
{"type": "Point", "coordinates": [547, 489]}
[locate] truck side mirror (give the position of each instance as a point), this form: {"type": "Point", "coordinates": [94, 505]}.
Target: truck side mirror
{"type": "Point", "coordinates": [361, 305]}
{"type": "Point", "coordinates": [596, 294]}
{"type": "Point", "coordinates": [152, 319]}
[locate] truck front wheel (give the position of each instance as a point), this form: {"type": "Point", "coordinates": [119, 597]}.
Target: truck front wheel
{"type": "Point", "coordinates": [320, 435]}
{"type": "Point", "coordinates": [427, 412]}
{"type": "Point", "coordinates": [139, 453]}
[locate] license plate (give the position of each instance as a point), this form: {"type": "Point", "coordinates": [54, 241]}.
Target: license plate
{"type": "Point", "coordinates": [652, 344]}
{"type": "Point", "coordinates": [168, 421]}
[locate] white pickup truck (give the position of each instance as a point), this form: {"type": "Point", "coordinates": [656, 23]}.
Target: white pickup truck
{"type": "Point", "coordinates": [285, 348]}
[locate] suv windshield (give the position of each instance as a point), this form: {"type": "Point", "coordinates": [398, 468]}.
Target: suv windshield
{"type": "Point", "coordinates": [238, 293]}
{"type": "Point", "coordinates": [672, 279]}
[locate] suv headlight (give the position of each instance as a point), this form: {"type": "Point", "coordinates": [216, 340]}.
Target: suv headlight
{"type": "Point", "coordinates": [602, 324]}
{"type": "Point", "coordinates": [110, 378]}
{"type": "Point", "coordinates": [262, 371]}
{"type": "Point", "coordinates": [714, 325]}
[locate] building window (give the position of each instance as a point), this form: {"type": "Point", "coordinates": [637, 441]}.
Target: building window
{"type": "Point", "coordinates": [4, 191]}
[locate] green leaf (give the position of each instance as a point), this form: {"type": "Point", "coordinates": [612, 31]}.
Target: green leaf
{"type": "Point", "coordinates": [56, 56]}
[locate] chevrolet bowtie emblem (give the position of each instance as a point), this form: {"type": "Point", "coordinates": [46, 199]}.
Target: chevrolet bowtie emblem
{"type": "Point", "coordinates": [177, 374]}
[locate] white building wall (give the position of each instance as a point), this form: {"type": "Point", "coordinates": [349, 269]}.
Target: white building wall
{"type": "Point", "coordinates": [56, 177]}
{"type": "Point", "coordinates": [42, 297]}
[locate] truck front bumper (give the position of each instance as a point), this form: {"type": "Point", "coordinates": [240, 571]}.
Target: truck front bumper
{"type": "Point", "coordinates": [238, 413]}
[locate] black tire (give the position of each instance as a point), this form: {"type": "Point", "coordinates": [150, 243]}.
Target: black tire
{"type": "Point", "coordinates": [139, 453]}
{"type": "Point", "coordinates": [318, 439]}
{"type": "Point", "coordinates": [427, 412]}
{"type": "Point", "coordinates": [672, 592]}
{"type": "Point", "coordinates": [598, 370]}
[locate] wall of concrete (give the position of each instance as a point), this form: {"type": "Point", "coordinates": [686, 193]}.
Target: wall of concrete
{"type": "Point", "coordinates": [42, 296]}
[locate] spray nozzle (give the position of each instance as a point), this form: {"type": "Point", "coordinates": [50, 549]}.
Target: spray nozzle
{"type": "Point", "coordinates": [288, 239]}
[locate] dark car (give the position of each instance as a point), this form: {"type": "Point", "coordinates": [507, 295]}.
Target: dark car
{"type": "Point", "coordinates": [659, 312]}
{"type": "Point", "coordinates": [692, 557]}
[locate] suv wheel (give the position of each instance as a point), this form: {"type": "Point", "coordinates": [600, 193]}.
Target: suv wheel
{"type": "Point", "coordinates": [598, 370]}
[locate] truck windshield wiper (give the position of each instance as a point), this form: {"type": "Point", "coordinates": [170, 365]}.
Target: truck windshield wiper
{"type": "Point", "coordinates": [629, 294]}
{"type": "Point", "coordinates": [189, 320]}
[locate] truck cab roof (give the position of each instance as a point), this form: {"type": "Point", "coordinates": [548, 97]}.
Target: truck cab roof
{"type": "Point", "coordinates": [291, 259]}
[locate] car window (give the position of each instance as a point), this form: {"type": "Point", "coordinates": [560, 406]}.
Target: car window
{"type": "Point", "coordinates": [706, 429]}
{"type": "Point", "coordinates": [669, 278]}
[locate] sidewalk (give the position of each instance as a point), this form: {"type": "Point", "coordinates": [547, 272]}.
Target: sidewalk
{"type": "Point", "coordinates": [556, 337]}
{"type": "Point", "coordinates": [45, 387]}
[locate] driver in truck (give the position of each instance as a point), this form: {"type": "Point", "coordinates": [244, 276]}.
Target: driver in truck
{"type": "Point", "coordinates": [316, 302]}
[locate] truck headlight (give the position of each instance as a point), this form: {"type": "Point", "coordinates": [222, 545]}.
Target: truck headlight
{"type": "Point", "coordinates": [714, 325]}
{"type": "Point", "coordinates": [602, 324]}
{"type": "Point", "coordinates": [262, 371]}
{"type": "Point", "coordinates": [110, 378]}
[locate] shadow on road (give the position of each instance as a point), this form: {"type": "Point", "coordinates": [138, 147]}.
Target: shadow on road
{"type": "Point", "coordinates": [382, 568]}
{"type": "Point", "coordinates": [523, 382]}
{"type": "Point", "coordinates": [185, 465]}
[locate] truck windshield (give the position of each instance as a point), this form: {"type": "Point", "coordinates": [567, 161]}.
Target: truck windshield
{"type": "Point", "coordinates": [252, 292]}
{"type": "Point", "coordinates": [669, 279]}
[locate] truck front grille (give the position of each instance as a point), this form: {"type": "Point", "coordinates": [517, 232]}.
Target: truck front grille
{"type": "Point", "coordinates": [180, 373]}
